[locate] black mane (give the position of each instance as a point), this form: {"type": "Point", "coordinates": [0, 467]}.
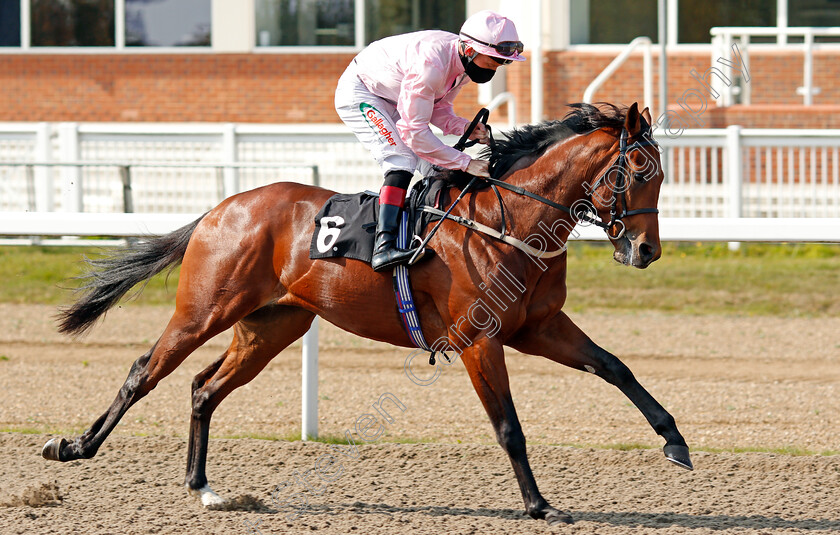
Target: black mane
{"type": "Point", "coordinates": [534, 139]}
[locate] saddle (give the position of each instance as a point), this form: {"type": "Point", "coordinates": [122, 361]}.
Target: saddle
{"type": "Point", "coordinates": [345, 227]}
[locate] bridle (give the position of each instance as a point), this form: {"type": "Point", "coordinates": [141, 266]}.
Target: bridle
{"type": "Point", "coordinates": [618, 191]}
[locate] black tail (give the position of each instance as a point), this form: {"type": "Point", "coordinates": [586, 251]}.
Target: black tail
{"type": "Point", "coordinates": [110, 278]}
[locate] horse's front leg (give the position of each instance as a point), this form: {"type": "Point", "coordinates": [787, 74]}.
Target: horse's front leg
{"type": "Point", "coordinates": [560, 340]}
{"type": "Point", "coordinates": [485, 363]}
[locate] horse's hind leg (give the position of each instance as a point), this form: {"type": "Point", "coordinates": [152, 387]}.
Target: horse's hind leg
{"type": "Point", "coordinates": [188, 329]}
{"type": "Point", "coordinates": [258, 338]}
{"type": "Point", "coordinates": [562, 341]}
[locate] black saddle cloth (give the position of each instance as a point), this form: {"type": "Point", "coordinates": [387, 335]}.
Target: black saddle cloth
{"type": "Point", "coordinates": [345, 227]}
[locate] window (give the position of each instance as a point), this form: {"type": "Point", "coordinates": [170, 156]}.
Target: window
{"type": "Point", "coordinates": [333, 22]}
{"type": "Point", "coordinates": [305, 23]}
{"type": "Point", "coordinates": [9, 22]}
{"type": "Point", "coordinates": [620, 21]}
{"type": "Point", "coordinates": [391, 17]}
{"type": "Point", "coordinates": [697, 17]}
{"type": "Point", "coordinates": [72, 22]}
{"type": "Point", "coordinates": [612, 21]}
{"type": "Point", "coordinates": [92, 23]}
{"type": "Point", "coordinates": [814, 13]}
{"type": "Point", "coordinates": [167, 22]}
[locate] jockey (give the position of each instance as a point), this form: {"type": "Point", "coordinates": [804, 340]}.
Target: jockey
{"type": "Point", "coordinates": [397, 86]}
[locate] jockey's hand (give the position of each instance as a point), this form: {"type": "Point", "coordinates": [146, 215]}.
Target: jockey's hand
{"type": "Point", "coordinates": [481, 134]}
{"type": "Point", "coordinates": [479, 168]}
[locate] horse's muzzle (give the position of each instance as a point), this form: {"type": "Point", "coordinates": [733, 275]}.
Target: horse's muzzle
{"type": "Point", "coordinates": [636, 250]}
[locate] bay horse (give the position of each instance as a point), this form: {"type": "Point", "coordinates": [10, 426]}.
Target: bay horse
{"type": "Point", "coordinates": [245, 265]}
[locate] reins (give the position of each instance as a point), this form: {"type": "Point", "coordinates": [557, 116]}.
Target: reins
{"type": "Point", "coordinates": [462, 144]}
{"type": "Point", "coordinates": [618, 196]}
{"type": "Point", "coordinates": [618, 192]}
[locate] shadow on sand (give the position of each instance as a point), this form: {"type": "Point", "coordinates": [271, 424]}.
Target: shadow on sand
{"type": "Point", "coordinates": [628, 519]}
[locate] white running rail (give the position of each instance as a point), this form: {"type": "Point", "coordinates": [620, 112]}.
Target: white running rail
{"type": "Point", "coordinates": [188, 169]}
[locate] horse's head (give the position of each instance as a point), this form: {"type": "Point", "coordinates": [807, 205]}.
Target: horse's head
{"type": "Point", "coordinates": [626, 194]}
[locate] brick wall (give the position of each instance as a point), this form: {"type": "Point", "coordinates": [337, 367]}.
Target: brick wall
{"type": "Point", "coordinates": [169, 87]}
{"type": "Point", "coordinates": [774, 77]}
{"type": "Point", "coordinates": [248, 88]}
{"type": "Point", "coordinates": [819, 116]}
{"type": "Point", "coordinates": [280, 88]}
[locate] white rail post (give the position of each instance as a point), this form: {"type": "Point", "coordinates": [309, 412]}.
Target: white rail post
{"type": "Point", "coordinates": [359, 23]}
{"type": "Point", "coordinates": [309, 383]}
{"type": "Point", "coordinates": [746, 88]}
{"type": "Point", "coordinates": [231, 174]}
{"type": "Point", "coordinates": [537, 64]}
{"type": "Point", "coordinates": [729, 92]}
{"type": "Point", "coordinates": [44, 201]}
{"type": "Point", "coordinates": [71, 176]}
{"type": "Point", "coordinates": [734, 175]}
{"type": "Point", "coordinates": [782, 22]}
{"type": "Point", "coordinates": [647, 75]}
{"type": "Point", "coordinates": [808, 69]}
{"type": "Point", "coordinates": [25, 25]}
{"type": "Point", "coordinates": [501, 98]}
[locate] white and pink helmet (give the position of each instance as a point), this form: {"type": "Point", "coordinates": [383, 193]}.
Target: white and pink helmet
{"type": "Point", "coordinates": [493, 35]}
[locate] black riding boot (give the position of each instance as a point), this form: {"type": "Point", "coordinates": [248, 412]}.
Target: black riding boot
{"type": "Point", "coordinates": [386, 254]}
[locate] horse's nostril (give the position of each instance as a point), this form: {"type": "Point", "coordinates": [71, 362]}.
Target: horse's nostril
{"type": "Point", "coordinates": [646, 251]}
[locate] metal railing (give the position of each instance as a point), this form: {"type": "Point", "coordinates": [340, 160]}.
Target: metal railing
{"type": "Point", "coordinates": [647, 78]}
{"type": "Point", "coordinates": [342, 166]}
{"type": "Point", "coordinates": [723, 39]}
{"type": "Point", "coordinates": [505, 98]}
{"type": "Point", "coordinates": [227, 183]}
{"type": "Point", "coordinates": [713, 173]}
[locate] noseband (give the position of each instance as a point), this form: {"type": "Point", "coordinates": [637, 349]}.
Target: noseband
{"type": "Point", "coordinates": [618, 192]}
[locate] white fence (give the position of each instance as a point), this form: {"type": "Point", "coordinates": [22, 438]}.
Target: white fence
{"type": "Point", "coordinates": [763, 173]}
{"type": "Point", "coordinates": [263, 154]}
{"type": "Point", "coordinates": [188, 169]}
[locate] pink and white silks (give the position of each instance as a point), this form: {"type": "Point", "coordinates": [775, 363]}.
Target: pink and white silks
{"type": "Point", "coordinates": [394, 89]}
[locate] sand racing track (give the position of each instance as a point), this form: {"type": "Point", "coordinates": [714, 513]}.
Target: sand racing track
{"type": "Point", "coordinates": [744, 391]}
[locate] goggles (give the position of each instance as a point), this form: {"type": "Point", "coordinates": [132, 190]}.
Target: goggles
{"type": "Point", "coordinates": [506, 48]}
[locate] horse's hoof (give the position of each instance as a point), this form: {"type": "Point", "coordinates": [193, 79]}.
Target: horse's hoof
{"type": "Point", "coordinates": [209, 499]}
{"type": "Point", "coordinates": [52, 449]}
{"type": "Point", "coordinates": [678, 455]}
{"type": "Point", "coordinates": [558, 518]}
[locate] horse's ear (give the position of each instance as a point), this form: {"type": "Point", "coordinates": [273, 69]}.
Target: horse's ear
{"type": "Point", "coordinates": [631, 122]}
{"type": "Point", "coordinates": [646, 115]}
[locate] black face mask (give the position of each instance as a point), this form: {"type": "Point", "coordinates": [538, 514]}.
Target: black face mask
{"type": "Point", "coordinates": [477, 74]}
